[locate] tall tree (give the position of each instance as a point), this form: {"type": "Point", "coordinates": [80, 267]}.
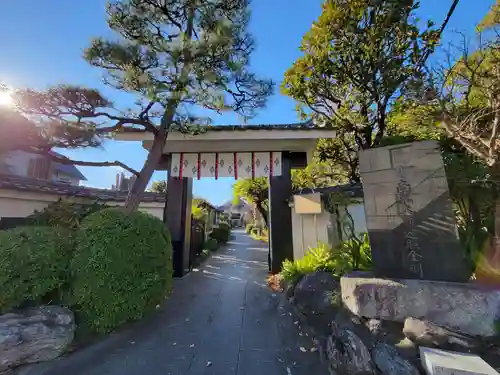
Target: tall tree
{"type": "Point", "coordinates": [469, 103]}
{"type": "Point", "coordinates": [159, 187]}
{"type": "Point", "coordinates": [177, 57]}
{"type": "Point", "coordinates": [359, 57]}
{"type": "Point", "coordinates": [254, 191]}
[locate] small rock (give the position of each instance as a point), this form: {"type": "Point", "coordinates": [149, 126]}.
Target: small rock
{"type": "Point", "coordinates": [35, 335]}
{"type": "Point", "coordinates": [425, 333]}
{"type": "Point", "coordinates": [389, 362]}
{"type": "Point", "coordinates": [347, 354]}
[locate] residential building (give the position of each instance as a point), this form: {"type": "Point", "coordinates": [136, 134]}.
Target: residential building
{"type": "Point", "coordinates": [26, 164]}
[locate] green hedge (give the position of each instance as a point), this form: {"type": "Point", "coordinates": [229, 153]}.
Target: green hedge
{"type": "Point", "coordinates": [122, 268]}
{"type": "Point", "coordinates": [33, 265]}
{"type": "Point", "coordinates": [222, 233]}
{"type": "Point", "coordinates": [211, 244]}
{"type": "Point", "coordinates": [65, 213]}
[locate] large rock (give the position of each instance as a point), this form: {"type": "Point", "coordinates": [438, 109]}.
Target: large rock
{"type": "Point", "coordinates": [465, 307]}
{"type": "Point", "coordinates": [35, 335]}
{"type": "Point", "coordinates": [389, 362]}
{"type": "Point", "coordinates": [425, 333]}
{"type": "Point", "coordinates": [317, 296]}
{"type": "Point", "coordinates": [347, 354]}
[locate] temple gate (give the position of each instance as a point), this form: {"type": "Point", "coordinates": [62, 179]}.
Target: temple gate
{"type": "Point", "coordinates": [246, 151]}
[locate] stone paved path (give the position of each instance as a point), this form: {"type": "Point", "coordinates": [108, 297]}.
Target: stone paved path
{"type": "Point", "coordinates": [221, 320]}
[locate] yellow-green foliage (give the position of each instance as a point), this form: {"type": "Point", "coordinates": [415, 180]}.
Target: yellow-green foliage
{"type": "Point", "coordinates": [121, 269]}
{"type": "Point", "coordinates": [319, 258]}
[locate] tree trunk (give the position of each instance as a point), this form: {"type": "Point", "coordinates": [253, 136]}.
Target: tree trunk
{"type": "Point", "coordinates": [263, 212]}
{"type": "Point", "coordinates": [154, 156]}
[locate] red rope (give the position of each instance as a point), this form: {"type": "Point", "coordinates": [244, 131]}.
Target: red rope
{"type": "Point", "coordinates": [253, 165]}
{"type": "Point", "coordinates": [271, 164]}
{"type": "Point", "coordinates": [199, 163]}
{"type": "Point", "coordinates": [181, 166]}
{"type": "Point", "coordinates": [235, 166]}
{"type": "Point", "coordinates": [216, 165]}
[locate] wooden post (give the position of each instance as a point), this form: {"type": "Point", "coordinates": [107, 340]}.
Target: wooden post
{"type": "Point", "coordinates": [177, 216]}
{"type": "Point", "coordinates": [280, 216]}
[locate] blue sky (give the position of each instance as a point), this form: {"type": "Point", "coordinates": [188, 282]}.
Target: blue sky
{"type": "Point", "coordinates": [42, 43]}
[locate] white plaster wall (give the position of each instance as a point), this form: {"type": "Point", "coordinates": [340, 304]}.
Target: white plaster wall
{"type": "Point", "coordinates": [21, 204]}
{"type": "Point", "coordinates": [309, 229]}
{"type": "Point", "coordinates": [18, 162]}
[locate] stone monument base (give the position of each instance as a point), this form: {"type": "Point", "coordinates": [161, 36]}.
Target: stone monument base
{"type": "Point", "coordinates": [465, 307]}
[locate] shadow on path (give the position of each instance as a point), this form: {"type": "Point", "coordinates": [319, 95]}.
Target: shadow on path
{"type": "Point", "coordinates": [220, 320]}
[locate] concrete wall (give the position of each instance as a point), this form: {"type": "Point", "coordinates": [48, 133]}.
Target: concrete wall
{"type": "Point", "coordinates": [14, 203]}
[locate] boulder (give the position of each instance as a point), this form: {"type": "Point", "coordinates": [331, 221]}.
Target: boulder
{"type": "Point", "coordinates": [34, 335]}
{"type": "Point", "coordinates": [317, 296]}
{"type": "Point", "coordinates": [347, 354]}
{"type": "Point", "coordinates": [389, 362]}
{"type": "Point", "coordinates": [425, 333]}
{"type": "Point", "coordinates": [465, 307]}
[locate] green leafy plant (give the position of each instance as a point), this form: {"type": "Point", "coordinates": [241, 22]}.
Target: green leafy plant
{"type": "Point", "coordinates": [211, 245]}
{"type": "Point", "coordinates": [353, 254]}
{"type": "Point", "coordinates": [122, 268]}
{"type": "Point", "coordinates": [319, 258]}
{"type": "Point", "coordinates": [33, 265]}
{"type": "Point", "coordinates": [65, 213]}
{"type": "Point", "coordinates": [249, 228]}
{"type": "Point", "coordinates": [222, 233]}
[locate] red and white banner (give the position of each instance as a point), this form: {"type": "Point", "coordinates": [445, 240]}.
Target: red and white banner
{"type": "Point", "coordinates": [236, 165]}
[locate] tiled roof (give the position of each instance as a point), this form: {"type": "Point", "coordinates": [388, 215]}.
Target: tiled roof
{"type": "Point", "coordinates": [353, 190]}
{"type": "Point", "coordinates": [40, 186]}
{"type": "Point", "coordinates": [307, 125]}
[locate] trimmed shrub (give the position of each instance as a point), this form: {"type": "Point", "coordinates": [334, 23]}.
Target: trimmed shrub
{"type": "Point", "coordinates": [122, 268]}
{"type": "Point", "coordinates": [33, 265]}
{"type": "Point", "coordinates": [211, 245]}
{"type": "Point", "coordinates": [222, 233]}
{"type": "Point", "coordinates": [65, 213]}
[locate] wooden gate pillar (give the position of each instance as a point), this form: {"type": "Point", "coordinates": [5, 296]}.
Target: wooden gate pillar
{"type": "Point", "coordinates": [280, 216]}
{"type": "Point", "coordinates": [177, 216]}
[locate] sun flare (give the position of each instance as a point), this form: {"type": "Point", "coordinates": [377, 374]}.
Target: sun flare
{"type": "Point", "coordinates": [6, 99]}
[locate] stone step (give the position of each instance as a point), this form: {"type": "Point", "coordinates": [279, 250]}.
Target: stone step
{"type": "Point", "coordinates": [443, 362]}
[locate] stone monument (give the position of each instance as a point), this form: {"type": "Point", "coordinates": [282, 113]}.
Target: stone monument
{"type": "Point", "coordinates": [410, 221]}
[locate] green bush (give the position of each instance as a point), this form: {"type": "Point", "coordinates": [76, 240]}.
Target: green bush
{"type": "Point", "coordinates": [33, 265]}
{"type": "Point", "coordinates": [350, 255]}
{"type": "Point", "coordinates": [249, 228]}
{"type": "Point", "coordinates": [222, 233]}
{"type": "Point", "coordinates": [65, 213]}
{"type": "Point", "coordinates": [211, 244]}
{"type": "Point", "coordinates": [316, 259]}
{"type": "Point", "coordinates": [122, 268]}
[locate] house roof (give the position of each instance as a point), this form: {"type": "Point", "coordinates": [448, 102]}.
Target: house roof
{"type": "Point", "coordinates": [307, 125]}
{"type": "Point", "coordinates": [67, 169]}
{"type": "Point", "coordinates": [39, 186]}
{"type": "Point", "coordinates": [353, 190]}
